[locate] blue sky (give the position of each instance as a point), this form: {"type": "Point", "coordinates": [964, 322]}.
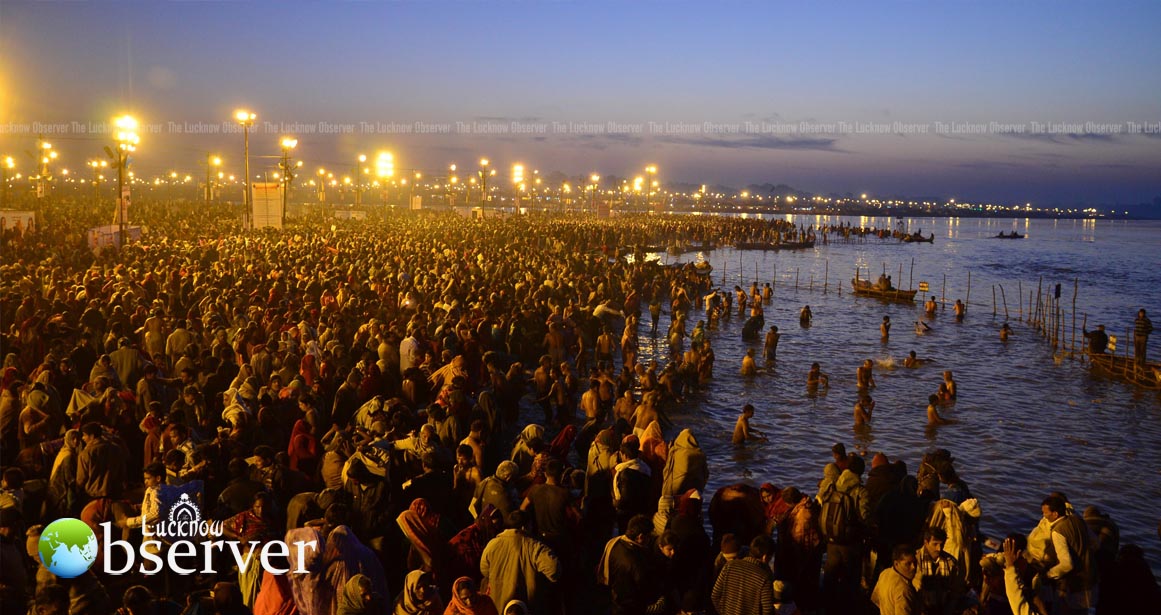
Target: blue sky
{"type": "Point", "coordinates": [632, 63]}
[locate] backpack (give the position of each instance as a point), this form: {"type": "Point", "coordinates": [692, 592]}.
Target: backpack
{"type": "Point", "coordinates": [839, 517]}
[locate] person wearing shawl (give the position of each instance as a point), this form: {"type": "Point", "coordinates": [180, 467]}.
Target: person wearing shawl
{"type": "Point", "coordinates": [275, 597]}
{"type": "Point", "coordinates": [308, 368]}
{"type": "Point", "coordinates": [685, 467]}
{"type": "Point", "coordinates": [516, 607]}
{"type": "Point", "coordinates": [360, 598]}
{"type": "Point", "coordinates": [466, 600]}
{"type": "Point", "coordinates": [563, 442]}
{"type": "Point", "coordinates": [522, 453]}
{"type": "Point", "coordinates": [420, 524]}
{"type": "Point", "coordinates": [653, 448]}
{"type": "Point", "coordinates": [467, 547]}
{"type": "Point", "coordinates": [344, 558]}
{"type": "Point", "coordinates": [62, 491]}
{"type": "Point", "coordinates": [419, 596]}
{"type": "Point", "coordinates": [253, 527]}
{"type": "Point", "coordinates": [303, 449]}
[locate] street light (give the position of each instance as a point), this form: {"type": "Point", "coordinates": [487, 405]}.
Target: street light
{"type": "Point", "coordinates": [212, 162]}
{"type": "Point", "coordinates": [594, 180]}
{"type": "Point", "coordinates": [288, 144]}
{"type": "Point", "coordinates": [246, 119]}
{"type": "Point", "coordinates": [127, 141]}
{"type": "Point", "coordinates": [47, 155]}
{"type": "Point", "coordinates": [97, 165]}
{"type": "Point", "coordinates": [484, 181]}
{"type": "Point", "coordinates": [384, 169]}
{"type": "Point", "coordinates": [651, 170]}
{"type": "Point", "coordinates": [518, 180]}
{"type": "Point", "coordinates": [8, 165]}
{"type": "Point", "coordinates": [322, 184]}
{"type": "Point", "coordinates": [359, 179]}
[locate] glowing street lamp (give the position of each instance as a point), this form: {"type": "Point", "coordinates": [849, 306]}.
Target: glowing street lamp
{"type": "Point", "coordinates": [6, 166]}
{"type": "Point", "coordinates": [359, 179]}
{"type": "Point", "coordinates": [212, 162]}
{"type": "Point", "coordinates": [97, 166]}
{"type": "Point", "coordinates": [322, 183]}
{"type": "Point", "coordinates": [246, 119]}
{"type": "Point", "coordinates": [650, 170]}
{"type": "Point", "coordinates": [384, 169]}
{"type": "Point", "coordinates": [594, 183]}
{"type": "Point", "coordinates": [288, 144]}
{"type": "Point", "coordinates": [484, 172]}
{"type": "Point", "coordinates": [127, 141]}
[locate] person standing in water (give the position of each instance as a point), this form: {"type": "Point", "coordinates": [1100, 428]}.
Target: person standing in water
{"type": "Point", "coordinates": [864, 407]}
{"type": "Point", "coordinates": [770, 348]}
{"type": "Point", "coordinates": [885, 328]}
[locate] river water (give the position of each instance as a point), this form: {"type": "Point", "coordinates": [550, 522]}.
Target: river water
{"type": "Point", "coordinates": [1027, 424]}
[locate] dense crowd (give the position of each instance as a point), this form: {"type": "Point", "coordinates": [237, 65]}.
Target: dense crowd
{"type": "Point", "coordinates": [453, 410]}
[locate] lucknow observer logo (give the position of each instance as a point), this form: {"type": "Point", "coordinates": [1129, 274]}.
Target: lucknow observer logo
{"type": "Point", "coordinates": [68, 547]}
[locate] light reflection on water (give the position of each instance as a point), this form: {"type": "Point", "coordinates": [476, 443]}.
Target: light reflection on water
{"type": "Point", "coordinates": [1027, 424]}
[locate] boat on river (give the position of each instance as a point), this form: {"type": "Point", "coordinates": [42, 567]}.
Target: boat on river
{"type": "Point", "coordinates": [1014, 235]}
{"type": "Point", "coordinates": [766, 246]}
{"type": "Point", "coordinates": [1125, 369]}
{"type": "Point", "coordinates": [864, 288]}
{"type": "Point", "coordinates": [917, 238]}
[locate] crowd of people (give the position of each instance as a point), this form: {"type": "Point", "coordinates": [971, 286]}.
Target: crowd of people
{"type": "Point", "coordinates": [404, 392]}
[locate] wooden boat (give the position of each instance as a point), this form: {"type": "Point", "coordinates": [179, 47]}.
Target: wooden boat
{"type": "Point", "coordinates": [766, 246]}
{"type": "Point", "coordinates": [863, 288]}
{"type": "Point", "coordinates": [703, 268]}
{"type": "Point", "coordinates": [1126, 369]}
{"type": "Point", "coordinates": [679, 249]}
{"type": "Point", "coordinates": [917, 238]}
{"type": "Point", "coordinates": [1014, 235]}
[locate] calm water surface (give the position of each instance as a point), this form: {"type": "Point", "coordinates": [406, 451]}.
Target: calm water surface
{"type": "Point", "coordinates": [1027, 424]}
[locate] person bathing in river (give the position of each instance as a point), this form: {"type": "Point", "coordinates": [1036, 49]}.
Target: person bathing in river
{"type": "Point", "coordinates": [950, 382]}
{"type": "Point", "coordinates": [864, 376]}
{"type": "Point", "coordinates": [921, 327]}
{"type": "Point", "coordinates": [933, 417]}
{"type": "Point", "coordinates": [864, 407]}
{"type": "Point", "coordinates": [815, 377]}
{"type": "Point", "coordinates": [912, 360]}
{"type": "Point", "coordinates": [749, 367]}
{"type": "Point", "coordinates": [742, 431]}
{"type": "Point", "coordinates": [930, 306]}
{"type": "Point", "coordinates": [804, 316]}
{"type": "Point", "coordinates": [770, 348]}
{"type": "Point", "coordinates": [1005, 332]}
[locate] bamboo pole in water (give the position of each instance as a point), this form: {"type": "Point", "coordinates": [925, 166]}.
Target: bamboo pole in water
{"type": "Point", "coordinates": [993, 300]}
{"type": "Point", "coordinates": [911, 277]}
{"type": "Point", "coordinates": [796, 279]}
{"type": "Point", "coordinates": [811, 281]}
{"type": "Point", "coordinates": [1075, 291]}
{"type": "Point", "coordinates": [1020, 297]}
{"type": "Point", "coordinates": [943, 294]}
{"type": "Point", "coordinates": [826, 277]}
{"type": "Point", "coordinates": [968, 298]}
{"type": "Point", "coordinates": [774, 283]}
{"type": "Point", "coordinates": [1005, 300]}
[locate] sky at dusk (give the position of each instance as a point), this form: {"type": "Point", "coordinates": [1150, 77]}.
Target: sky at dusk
{"type": "Point", "coordinates": [1050, 102]}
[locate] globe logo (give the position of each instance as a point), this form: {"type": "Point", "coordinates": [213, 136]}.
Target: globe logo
{"type": "Point", "coordinates": [68, 547]}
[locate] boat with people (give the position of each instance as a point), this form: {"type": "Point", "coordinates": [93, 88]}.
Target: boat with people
{"type": "Point", "coordinates": [917, 238]}
{"type": "Point", "coordinates": [866, 288]}
{"type": "Point", "coordinates": [1125, 369]}
{"type": "Point", "coordinates": [1014, 235]}
{"type": "Point", "coordinates": [677, 249]}
{"type": "Point", "coordinates": [767, 246]}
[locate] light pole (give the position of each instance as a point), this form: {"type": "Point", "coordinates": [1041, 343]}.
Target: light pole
{"type": "Point", "coordinates": [8, 165]}
{"type": "Point", "coordinates": [451, 185]}
{"type": "Point", "coordinates": [212, 162]}
{"type": "Point", "coordinates": [46, 156]}
{"type": "Point", "coordinates": [127, 141]}
{"type": "Point", "coordinates": [97, 166]}
{"type": "Point", "coordinates": [288, 144]}
{"type": "Point", "coordinates": [518, 182]}
{"type": "Point", "coordinates": [384, 170]}
{"type": "Point", "coordinates": [650, 171]}
{"type": "Point", "coordinates": [246, 119]}
{"type": "Point", "coordinates": [322, 186]}
{"type": "Point", "coordinates": [595, 183]}
{"type": "Point", "coordinates": [484, 182]}
{"type": "Point", "coordinates": [359, 179]}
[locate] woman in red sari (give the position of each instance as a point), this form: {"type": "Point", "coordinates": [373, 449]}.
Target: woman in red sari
{"type": "Point", "coordinates": [467, 547]}
{"type": "Point", "coordinates": [420, 524]}
{"type": "Point", "coordinates": [253, 527]}
{"type": "Point", "coordinates": [467, 600]}
{"type": "Point", "coordinates": [303, 449]}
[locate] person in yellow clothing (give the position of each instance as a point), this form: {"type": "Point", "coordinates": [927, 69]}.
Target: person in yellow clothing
{"type": "Point", "coordinates": [893, 593]}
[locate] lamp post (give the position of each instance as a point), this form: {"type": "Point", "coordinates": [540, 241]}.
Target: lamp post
{"type": "Point", "coordinates": [595, 183]}
{"type": "Point", "coordinates": [288, 144]}
{"type": "Point", "coordinates": [483, 182]}
{"type": "Point", "coordinates": [97, 166]}
{"type": "Point", "coordinates": [518, 182]}
{"type": "Point", "coordinates": [650, 171]}
{"type": "Point", "coordinates": [212, 162]}
{"type": "Point", "coordinates": [322, 185]}
{"type": "Point", "coordinates": [359, 180]}
{"type": "Point", "coordinates": [384, 170]}
{"type": "Point", "coordinates": [451, 185]}
{"type": "Point", "coordinates": [46, 156]}
{"type": "Point", "coordinates": [8, 165]}
{"type": "Point", "coordinates": [127, 141]}
{"type": "Point", "coordinates": [411, 193]}
{"type": "Point", "coordinates": [246, 119]}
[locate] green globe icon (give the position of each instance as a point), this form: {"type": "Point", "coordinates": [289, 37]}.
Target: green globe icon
{"type": "Point", "coordinates": [68, 547]}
